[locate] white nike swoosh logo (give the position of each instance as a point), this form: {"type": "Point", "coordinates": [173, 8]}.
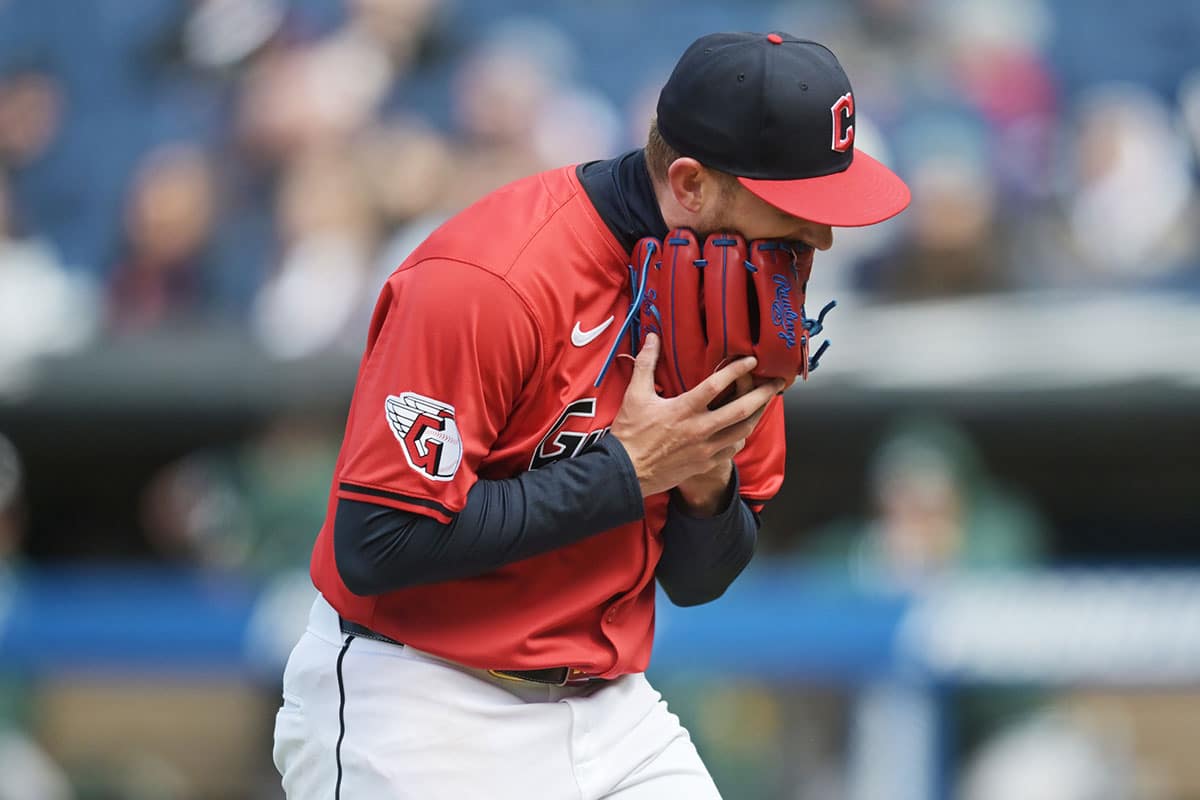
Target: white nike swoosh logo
{"type": "Point", "coordinates": [580, 337]}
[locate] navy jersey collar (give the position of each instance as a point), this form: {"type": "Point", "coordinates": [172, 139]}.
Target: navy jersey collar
{"type": "Point", "coordinates": [622, 193]}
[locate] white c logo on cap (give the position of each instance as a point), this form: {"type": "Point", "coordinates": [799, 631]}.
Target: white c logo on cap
{"type": "Point", "coordinates": [843, 129]}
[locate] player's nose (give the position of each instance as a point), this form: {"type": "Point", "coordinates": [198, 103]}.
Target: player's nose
{"type": "Point", "coordinates": [820, 237]}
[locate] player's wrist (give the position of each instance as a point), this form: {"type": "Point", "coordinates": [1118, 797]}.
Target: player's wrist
{"type": "Point", "coordinates": [707, 494]}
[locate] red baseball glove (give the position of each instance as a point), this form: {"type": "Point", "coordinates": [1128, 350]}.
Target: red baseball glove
{"type": "Point", "coordinates": [722, 300]}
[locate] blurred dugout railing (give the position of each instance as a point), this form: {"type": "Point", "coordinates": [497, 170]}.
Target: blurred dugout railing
{"type": "Point", "coordinates": [1077, 628]}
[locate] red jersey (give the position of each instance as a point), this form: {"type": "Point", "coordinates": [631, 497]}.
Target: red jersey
{"type": "Point", "coordinates": [480, 363]}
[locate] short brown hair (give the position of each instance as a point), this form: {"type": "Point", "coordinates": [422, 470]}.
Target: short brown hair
{"type": "Point", "coordinates": [660, 156]}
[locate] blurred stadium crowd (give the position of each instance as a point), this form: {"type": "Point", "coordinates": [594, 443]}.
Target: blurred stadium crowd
{"type": "Point", "coordinates": [185, 167]}
{"type": "Point", "coordinates": [265, 162]}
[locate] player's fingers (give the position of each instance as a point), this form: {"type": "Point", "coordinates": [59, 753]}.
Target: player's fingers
{"type": "Point", "coordinates": [742, 385]}
{"type": "Point", "coordinates": [734, 437]}
{"type": "Point", "coordinates": [643, 366]}
{"type": "Point", "coordinates": [757, 415]}
{"type": "Point", "coordinates": [735, 432]}
{"type": "Point", "coordinates": [748, 407]}
{"type": "Point", "coordinates": [712, 386]}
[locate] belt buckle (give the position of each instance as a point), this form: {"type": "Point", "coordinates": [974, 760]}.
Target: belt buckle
{"type": "Point", "coordinates": [502, 675]}
{"type": "Point", "coordinates": [577, 676]}
{"type": "Point", "coordinates": [517, 676]}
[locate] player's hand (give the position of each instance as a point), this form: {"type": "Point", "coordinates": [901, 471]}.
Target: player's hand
{"type": "Point", "coordinates": [706, 494]}
{"type": "Point", "coordinates": [670, 440]}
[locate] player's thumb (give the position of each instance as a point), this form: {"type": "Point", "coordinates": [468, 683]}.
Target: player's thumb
{"type": "Point", "coordinates": [647, 359]}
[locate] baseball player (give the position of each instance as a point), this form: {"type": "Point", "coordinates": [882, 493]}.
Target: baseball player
{"type": "Point", "coordinates": [570, 394]}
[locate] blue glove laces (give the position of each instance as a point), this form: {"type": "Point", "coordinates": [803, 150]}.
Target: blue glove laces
{"type": "Point", "coordinates": [630, 319]}
{"type": "Point", "coordinates": [814, 326]}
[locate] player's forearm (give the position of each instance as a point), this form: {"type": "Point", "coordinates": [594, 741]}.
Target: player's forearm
{"type": "Point", "coordinates": [703, 555]}
{"type": "Point", "coordinates": [380, 549]}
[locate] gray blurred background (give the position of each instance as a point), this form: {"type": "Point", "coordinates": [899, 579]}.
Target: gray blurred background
{"type": "Point", "coordinates": [980, 579]}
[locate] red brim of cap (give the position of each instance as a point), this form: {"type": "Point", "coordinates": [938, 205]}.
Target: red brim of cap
{"type": "Point", "coordinates": [866, 193]}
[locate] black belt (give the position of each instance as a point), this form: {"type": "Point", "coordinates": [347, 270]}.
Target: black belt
{"type": "Point", "coordinates": [551, 676]}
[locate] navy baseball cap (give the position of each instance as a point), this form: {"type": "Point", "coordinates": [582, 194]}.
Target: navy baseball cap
{"type": "Point", "coordinates": [777, 112]}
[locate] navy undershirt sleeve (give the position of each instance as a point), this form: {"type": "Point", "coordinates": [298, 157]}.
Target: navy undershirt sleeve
{"type": "Point", "coordinates": [703, 555]}
{"type": "Point", "coordinates": [380, 549]}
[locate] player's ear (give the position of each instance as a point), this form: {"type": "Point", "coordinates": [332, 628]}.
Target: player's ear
{"type": "Point", "coordinates": [689, 182]}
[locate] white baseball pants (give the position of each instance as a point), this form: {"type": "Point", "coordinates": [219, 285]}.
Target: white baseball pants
{"type": "Point", "coordinates": [364, 720]}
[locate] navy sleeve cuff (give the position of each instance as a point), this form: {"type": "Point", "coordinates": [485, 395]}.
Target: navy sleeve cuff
{"type": "Point", "coordinates": [703, 555]}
